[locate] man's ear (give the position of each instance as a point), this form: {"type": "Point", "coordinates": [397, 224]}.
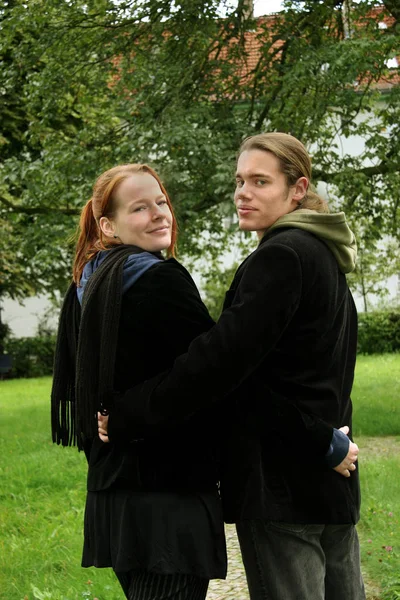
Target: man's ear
{"type": "Point", "coordinates": [301, 187]}
{"type": "Point", "coordinates": [107, 227]}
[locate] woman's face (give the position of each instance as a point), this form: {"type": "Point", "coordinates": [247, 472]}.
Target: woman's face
{"type": "Point", "coordinates": [142, 216]}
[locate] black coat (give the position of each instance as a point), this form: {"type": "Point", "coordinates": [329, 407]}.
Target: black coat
{"type": "Point", "coordinates": [286, 346]}
{"type": "Point", "coordinates": [160, 315]}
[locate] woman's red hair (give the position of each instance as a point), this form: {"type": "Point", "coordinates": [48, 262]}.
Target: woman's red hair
{"type": "Point", "coordinates": [102, 204]}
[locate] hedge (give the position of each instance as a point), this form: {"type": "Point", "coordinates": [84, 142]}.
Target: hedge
{"type": "Point", "coordinates": [378, 332]}
{"type": "Point", "coordinates": [31, 356]}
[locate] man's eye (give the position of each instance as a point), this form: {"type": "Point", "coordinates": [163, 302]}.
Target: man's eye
{"type": "Point", "coordinates": [239, 183]}
{"type": "Point", "coordinates": [260, 182]}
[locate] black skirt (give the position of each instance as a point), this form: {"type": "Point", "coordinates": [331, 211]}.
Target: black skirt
{"type": "Point", "coordinates": [161, 532]}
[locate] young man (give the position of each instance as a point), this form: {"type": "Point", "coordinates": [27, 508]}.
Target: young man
{"type": "Point", "coordinates": [282, 357]}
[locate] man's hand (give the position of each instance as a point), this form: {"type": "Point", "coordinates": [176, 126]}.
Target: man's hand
{"type": "Point", "coordinates": [348, 463]}
{"type": "Point", "coordinates": [102, 425]}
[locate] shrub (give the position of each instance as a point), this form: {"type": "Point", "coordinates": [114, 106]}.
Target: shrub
{"type": "Point", "coordinates": [4, 332]}
{"type": "Point", "coordinates": [379, 332]}
{"type": "Point", "coordinates": [31, 356]}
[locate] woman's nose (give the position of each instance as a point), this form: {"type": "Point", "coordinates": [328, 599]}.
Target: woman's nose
{"type": "Point", "coordinates": [157, 212]}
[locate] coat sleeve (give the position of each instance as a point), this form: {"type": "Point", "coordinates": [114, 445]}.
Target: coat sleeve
{"type": "Point", "coordinates": [170, 310]}
{"type": "Point", "coordinates": [161, 314]}
{"type": "Point", "coordinates": [221, 359]}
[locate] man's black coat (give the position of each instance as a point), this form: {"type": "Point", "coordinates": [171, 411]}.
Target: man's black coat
{"type": "Point", "coordinates": [284, 347]}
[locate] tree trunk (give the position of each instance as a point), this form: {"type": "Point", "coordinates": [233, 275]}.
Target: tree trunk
{"type": "Point", "coordinates": [247, 8]}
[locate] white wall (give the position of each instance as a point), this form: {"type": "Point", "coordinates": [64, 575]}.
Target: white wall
{"type": "Point", "coordinates": [24, 318]}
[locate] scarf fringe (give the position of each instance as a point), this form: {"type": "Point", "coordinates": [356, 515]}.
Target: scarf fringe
{"type": "Point", "coordinates": [83, 379]}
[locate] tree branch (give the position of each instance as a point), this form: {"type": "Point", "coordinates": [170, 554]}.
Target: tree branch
{"type": "Point", "coordinates": [380, 169]}
{"type": "Point", "coordinates": [36, 210]}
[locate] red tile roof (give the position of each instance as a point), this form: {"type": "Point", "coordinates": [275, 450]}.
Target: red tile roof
{"type": "Point", "coordinates": [248, 61]}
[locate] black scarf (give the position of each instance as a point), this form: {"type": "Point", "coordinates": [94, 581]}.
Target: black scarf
{"type": "Point", "coordinates": [83, 376]}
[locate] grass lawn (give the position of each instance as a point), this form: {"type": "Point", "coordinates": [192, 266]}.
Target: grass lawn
{"type": "Point", "coordinates": [43, 489]}
{"type": "Point", "coordinates": [42, 499]}
{"type": "Point", "coordinates": [376, 394]}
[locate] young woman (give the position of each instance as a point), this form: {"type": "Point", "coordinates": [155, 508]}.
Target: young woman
{"type": "Point", "coordinates": [153, 510]}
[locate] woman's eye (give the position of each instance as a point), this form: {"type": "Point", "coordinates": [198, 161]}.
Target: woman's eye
{"type": "Point", "coordinates": [162, 202]}
{"type": "Point", "coordinates": [139, 208]}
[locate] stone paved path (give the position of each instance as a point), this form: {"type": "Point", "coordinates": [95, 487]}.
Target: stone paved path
{"type": "Point", "coordinates": [234, 587]}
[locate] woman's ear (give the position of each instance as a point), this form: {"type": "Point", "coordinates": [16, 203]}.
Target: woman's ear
{"type": "Point", "coordinates": [301, 187]}
{"type": "Point", "coordinates": [107, 227]}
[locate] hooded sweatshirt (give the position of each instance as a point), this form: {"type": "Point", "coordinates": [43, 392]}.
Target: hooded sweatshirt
{"type": "Point", "coordinates": [332, 229]}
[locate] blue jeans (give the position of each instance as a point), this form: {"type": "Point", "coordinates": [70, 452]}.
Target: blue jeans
{"type": "Point", "coordinates": [301, 562]}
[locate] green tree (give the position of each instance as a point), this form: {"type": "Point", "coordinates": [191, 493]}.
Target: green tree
{"type": "Point", "coordinates": [89, 84]}
{"type": "Point", "coordinates": [377, 261]}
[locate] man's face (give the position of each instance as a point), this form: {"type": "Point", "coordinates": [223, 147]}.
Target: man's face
{"type": "Point", "coordinates": [262, 194]}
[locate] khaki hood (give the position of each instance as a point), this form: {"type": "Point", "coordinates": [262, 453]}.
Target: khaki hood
{"type": "Point", "coordinates": [330, 228]}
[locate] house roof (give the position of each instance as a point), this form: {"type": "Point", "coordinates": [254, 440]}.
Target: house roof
{"type": "Point", "coordinates": [255, 41]}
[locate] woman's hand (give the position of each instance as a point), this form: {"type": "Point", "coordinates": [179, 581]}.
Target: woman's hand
{"type": "Point", "coordinates": [102, 426]}
{"type": "Point", "coordinates": [348, 463]}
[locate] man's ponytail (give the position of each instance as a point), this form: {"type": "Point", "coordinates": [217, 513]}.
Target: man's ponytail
{"type": "Point", "coordinates": [314, 201]}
